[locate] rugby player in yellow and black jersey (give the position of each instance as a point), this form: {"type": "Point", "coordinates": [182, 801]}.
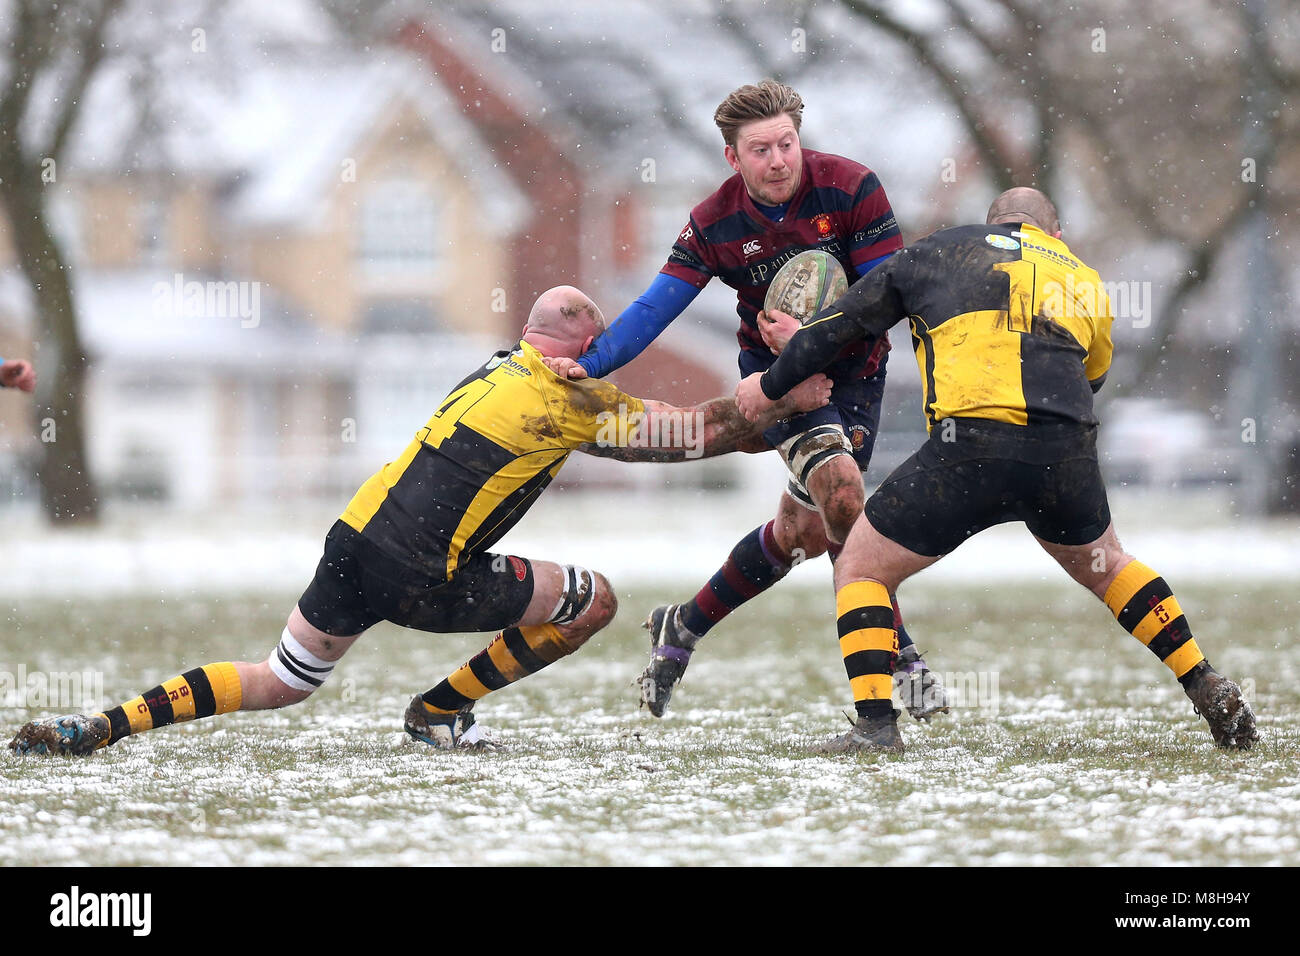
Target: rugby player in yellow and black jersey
{"type": "Point", "coordinates": [411, 546]}
{"type": "Point", "coordinates": [1012, 337]}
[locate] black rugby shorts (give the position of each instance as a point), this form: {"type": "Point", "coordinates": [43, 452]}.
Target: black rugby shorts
{"type": "Point", "coordinates": [991, 472]}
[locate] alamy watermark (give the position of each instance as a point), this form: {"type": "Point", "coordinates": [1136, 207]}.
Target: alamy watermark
{"type": "Point", "coordinates": [57, 690]}
{"type": "Point", "coordinates": [679, 428]}
{"type": "Point", "coordinates": [75, 908]}
{"type": "Point", "coordinates": [211, 299]}
{"type": "Point", "coordinates": [964, 690]}
{"type": "Point", "coordinates": [1128, 300]}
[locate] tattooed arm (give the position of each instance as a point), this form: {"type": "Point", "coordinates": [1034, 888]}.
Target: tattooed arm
{"type": "Point", "coordinates": [716, 427]}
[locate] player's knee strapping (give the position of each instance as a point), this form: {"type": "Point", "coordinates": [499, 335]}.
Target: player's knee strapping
{"type": "Point", "coordinates": [298, 667]}
{"type": "Point", "coordinates": [202, 692]}
{"type": "Point", "coordinates": [578, 592]}
{"type": "Point", "coordinates": [513, 654]}
{"type": "Point", "coordinates": [1145, 607]}
{"type": "Point", "coordinates": [806, 452]}
{"type": "Point", "coordinates": [869, 644]}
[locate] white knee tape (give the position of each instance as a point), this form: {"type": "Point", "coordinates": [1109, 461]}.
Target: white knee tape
{"type": "Point", "coordinates": [806, 452]}
{"type": "Point", "coordinates": [579, 589]}
{"type": "Point", "coordinates": [298, 667]}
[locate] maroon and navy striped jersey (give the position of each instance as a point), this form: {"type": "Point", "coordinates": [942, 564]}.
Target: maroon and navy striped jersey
{"type": "Point", "coordinates": [839, 207]}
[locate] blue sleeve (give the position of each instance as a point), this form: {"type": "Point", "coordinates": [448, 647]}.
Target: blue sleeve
{"type": "Point", "coordinates": [638, 325]}
{"type": "Point", "coordinates": [870, 264]}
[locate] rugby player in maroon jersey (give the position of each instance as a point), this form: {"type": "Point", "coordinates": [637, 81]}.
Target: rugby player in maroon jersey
{"type": "Point", "coordinates": [783, 200]}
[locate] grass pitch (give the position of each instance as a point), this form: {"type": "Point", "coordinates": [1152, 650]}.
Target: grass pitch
{"type": "Point", "coordinates": [1073, 745]}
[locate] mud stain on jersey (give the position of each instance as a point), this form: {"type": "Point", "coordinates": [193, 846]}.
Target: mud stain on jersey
{"type": "Point", "coordinates": [540, 427]}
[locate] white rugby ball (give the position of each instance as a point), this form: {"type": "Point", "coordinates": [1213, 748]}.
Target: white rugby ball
{"type": "Point", "coordinates": [806, 284]}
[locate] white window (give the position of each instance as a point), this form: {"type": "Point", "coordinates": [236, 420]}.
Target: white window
{"type": "Point", "coordinates": [398, 229]}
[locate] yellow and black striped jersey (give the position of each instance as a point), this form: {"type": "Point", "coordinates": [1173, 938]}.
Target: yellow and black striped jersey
{"type": "Point", "coordinates": [481, 461]}
{"type": "Point", "coordinates": [1007, 323]}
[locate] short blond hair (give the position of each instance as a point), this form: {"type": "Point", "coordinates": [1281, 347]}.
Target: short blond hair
{"type": "Point", "coordinates": [766, 100]}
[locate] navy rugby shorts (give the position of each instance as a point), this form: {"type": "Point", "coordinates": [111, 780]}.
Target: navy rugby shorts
{"type": "Point", "coordinates": [854, 406]}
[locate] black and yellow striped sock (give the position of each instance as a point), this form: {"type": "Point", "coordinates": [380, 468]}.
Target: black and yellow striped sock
{"type": "Point", "coordinates": [202, 692]}
{"type": "Point", "coordinates": [869, 644]}
{"type": "Point", "coordinates": [1145, 607]}
{"type": "Point", "coordinates": [513, 654]}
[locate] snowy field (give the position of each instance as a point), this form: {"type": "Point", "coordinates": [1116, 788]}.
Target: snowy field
{"type": "Point", "coordinates": [1073, 745]}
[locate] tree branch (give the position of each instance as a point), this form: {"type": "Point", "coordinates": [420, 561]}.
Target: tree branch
{"type": "Point", "coordinates": [1001, 166]}
{"type": "Point", "coordinates": [92, 47]}
{"type": "Point", "coordinates": [1195, 273]}
{"type": "Point", "coordinates": [28, 56]}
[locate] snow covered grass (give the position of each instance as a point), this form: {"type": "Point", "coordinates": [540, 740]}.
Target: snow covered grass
{"type": "Point", "coordinates": [1075, 746]}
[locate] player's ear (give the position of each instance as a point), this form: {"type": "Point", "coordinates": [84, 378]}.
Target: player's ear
{"type": "Point", "coordinates": [729, 151]}
{"type": "Point", "coordinates": [586, 343]}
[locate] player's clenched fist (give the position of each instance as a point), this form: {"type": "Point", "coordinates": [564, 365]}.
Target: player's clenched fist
{"type": "Point", "coordinates": [776, 328]}
{"type": "Point", "coordinates": [750, 398]}
{"type": "Point", "coordinates": [810, 394]}
{"type": "Point", "coordinates": [18, 374]}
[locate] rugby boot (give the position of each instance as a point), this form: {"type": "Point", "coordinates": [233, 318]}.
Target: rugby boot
{"type": "Point", "coordinates": [73, 735]}
{"type": "Point", "coordinates": [868, 735]}
{"type": "Point", "coordinates": [1219, 701]}
{"type": "Point", "coordinates": [444, 731]}
{"type": "Point", "coordinates": [917, 687]}
{"type": "Point", "coordinates": [668, 658]}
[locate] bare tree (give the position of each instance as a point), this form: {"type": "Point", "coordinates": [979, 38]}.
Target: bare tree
{"type": "Point", "coordinates": [1148, 119]}
{"type": "Point", "coordinates": [56, 51]}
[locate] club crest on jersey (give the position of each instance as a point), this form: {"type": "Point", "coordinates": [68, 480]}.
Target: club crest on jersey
{"type": "Point", "coordinates": [520, 569]}
{"type": "Point", "coordinates": [751, 248]}
{"type": "Point", "coordinates": [823, 223]}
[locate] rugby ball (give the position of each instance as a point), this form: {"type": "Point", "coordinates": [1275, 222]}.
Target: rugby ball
{"type": "Point", "coordinates": [806, 284]}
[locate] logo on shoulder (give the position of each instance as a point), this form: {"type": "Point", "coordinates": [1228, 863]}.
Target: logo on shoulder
{"type": "Point", "coordinates": [510, 362]}
{"type": "Point", "coordinates": [1001, 242]}
{"type": "Point", "coordinates": [686, 234]}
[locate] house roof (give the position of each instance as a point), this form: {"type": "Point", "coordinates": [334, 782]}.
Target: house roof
{"type": "Point", "coordinates": [277, 136]}
{"type": "Point", "coordinates": [313, 121]}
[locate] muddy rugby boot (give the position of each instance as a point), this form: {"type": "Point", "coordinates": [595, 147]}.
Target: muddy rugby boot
{"type": "Point", "coordinates": [73, 735]}
{"type": "Point", "coordinates": [668, 658]}
{"type": "Point", "coordinates": [444, 731]}
{"type": "Point", "coordinates": [869, 735]}
{"type": "Point", "coordinates": [917, 687]}
{"type": "Point", "coordinates": [1219, 701]}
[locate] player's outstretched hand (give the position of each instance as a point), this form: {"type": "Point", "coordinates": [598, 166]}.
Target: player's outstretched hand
{"type": "Point", "coordinates": [18, 374]}
{"type": "Point", "coordinates": [750, 398]}
{"type": "Point", "coordinates": [564, 367]}
{"type": "Point", "coordinates": [776, 329]}
{"type": "Point", "coordinates": [812, 393]}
